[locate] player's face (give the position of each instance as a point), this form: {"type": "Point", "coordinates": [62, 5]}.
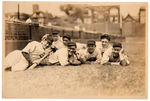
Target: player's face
{"type": "Point", "coordinates": [72, 49]}
{"type": "Point", "coordinates": [65, 41]}
{"type": "Point", "coordinates": [44, 44]}
{"type": "Point", "coordinates": [105, 43]}
{"type": "Point", "coordinates": [116, 51]}
{"type": "Point", "coordinates": [55, 37]}
{"type": "Point", "coordinates": [91, 48]}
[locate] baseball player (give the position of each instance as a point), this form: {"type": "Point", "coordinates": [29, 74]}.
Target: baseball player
{"type": "Point", "coordinates": [57, 41]}
{"type": "Point", "coordinates": [116, 56]}
{"type": "Point", "coordinates": [91, 54]}
{"type": "Point", "coordinates": [20, 60]}
{"type": "Point", "coordinates": [60, 56]}
{"type": "Point", "coordinates": [73, 55]}
{"type": "Point", "coordinates": [104, 44]}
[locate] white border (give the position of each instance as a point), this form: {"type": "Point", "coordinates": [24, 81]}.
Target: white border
{"type": "Point", "coordinates": [73, 1]}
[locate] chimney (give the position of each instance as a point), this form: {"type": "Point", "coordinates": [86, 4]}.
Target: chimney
{"type": "Point", "coordinates": [35, 8]}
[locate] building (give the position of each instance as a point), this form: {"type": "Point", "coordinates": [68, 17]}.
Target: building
{"type": "Point", "coordinates": [40, 17]}
{"type": "Point", "coordinates": [142, 15]}
{"type": "Point", "coordinates": [101, 14]}
{"type": "Point", "coordinates": [14, 15]}
{"type": "Point", "coordinates": [129, 18]}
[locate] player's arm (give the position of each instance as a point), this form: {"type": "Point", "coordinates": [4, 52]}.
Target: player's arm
{"type": "Point", "coordinates": [98, 58]}
{"type": "Point", "coordinates": [105, 58]}
{"type": "Point", "coordinates": [27, 57]}
{"type": "Point", "coordinates": [124, 61]}
{"type": "Point", "coordinates": [115, 63]}
{"type": "Point", "coordinates": [43, 56]}
{"type": "Point", "coordinates": [62, 56]}
{"type": "Point", "coordinates": [29, 48]}
{"type": "Point", "coordinates": [82, 56]}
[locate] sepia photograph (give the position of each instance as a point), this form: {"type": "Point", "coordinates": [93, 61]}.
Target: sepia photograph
{"type": "Point", "coordinates": [88, 50]}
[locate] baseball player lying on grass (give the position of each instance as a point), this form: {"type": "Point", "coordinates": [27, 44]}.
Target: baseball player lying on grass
{"type": "Point", "coordinates": [115, 56]}
{"type": "Point", "coordinates": [91, 54]}
{"type": "Point", "coordinates": [58, 41]}
{"type": "Point", "coordinates": [64, 56]}
{"type": "Point", "coordinates": [104, 44]}
{"type": "Point", "coordinates": [60, 56]}
{"type": "Point", "coordinates": [73, 55]}
{"type": "Point", "coordinates": [20, 60]}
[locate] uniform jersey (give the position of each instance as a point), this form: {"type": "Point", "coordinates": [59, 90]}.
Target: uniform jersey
{"type": "Point", "coordinates": [17, 61]}
{"type": "Point", "coordinates": [80, 46]}
{"type": "Point", "coordinates": [35, 50]}
{"type": "Point", "coordinates": [73, 59]}
{"type": "Point", "coordinates": [60, 56]}
{"type": "Point", "coordinates": [58, 44]}
{"type": "Point", "coordinates": [102, 50]}
{"type": "Point", "coordinates": [86, 56]}
{"type": "Point", "coordinates": [108, 57]}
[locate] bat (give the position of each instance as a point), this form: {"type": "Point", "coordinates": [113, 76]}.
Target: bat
{"type": "Point", "coordinates": [35, 64]}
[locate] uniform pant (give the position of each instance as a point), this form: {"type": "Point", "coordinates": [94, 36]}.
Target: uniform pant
{"type": "Point", "coordinates": [16, 61]}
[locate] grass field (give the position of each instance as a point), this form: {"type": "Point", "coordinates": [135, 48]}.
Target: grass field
{"type": "Point", "coordinates": [85, 81]}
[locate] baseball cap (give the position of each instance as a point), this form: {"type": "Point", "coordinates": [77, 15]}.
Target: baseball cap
{"type": "Point", "coordinates": [55, 32]}
{"type": "Point", "coordinates": [67, 36]}
{"type": "Point", "coordinates": [117, 45]}
{"type": "Point", "coordinates": [91, 42]}
{"type": "Point", "coordinates": [71, 43]}
{"type": "Point", "coordinates": [47, 37]}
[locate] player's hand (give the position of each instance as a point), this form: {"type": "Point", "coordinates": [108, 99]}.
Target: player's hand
{"type": "Point", "coordinates": [95, 62]}
{"type": "Point", "coordinates": [87, 62]}
{"type": "Point", "coordinates": [37, 61]}
{"type": "Point", "coordinates": [76, 62]}
{"type": "Point", "coordinates": [47, 51]}
{"type": "Point", "coordinates": [121, 51]}
{"type": "Point", "coordinates": [115, 63]}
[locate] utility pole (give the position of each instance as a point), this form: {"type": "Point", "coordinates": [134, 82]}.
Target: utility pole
{"type": "Point", "coordinates": [18, 12]}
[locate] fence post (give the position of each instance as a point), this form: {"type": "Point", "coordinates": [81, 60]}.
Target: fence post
{"type": "Point", "coordinates": [30, 32]}
{"type": "Point", "coordinates": [72, 34]}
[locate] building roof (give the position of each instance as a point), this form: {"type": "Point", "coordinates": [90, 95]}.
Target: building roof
{"type": "Point", "coordinates": [129, 18]}
{"type": "Point", "coordinates": [41, 14]}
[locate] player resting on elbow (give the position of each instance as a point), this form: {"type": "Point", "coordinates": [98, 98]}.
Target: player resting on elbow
{"type": "Point", "coordinates": [20, 60]}
{"type": "Point", "coordinates": [116, 56]}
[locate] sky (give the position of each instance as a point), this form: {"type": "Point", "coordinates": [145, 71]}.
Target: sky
{"type": "Point", "coordinates": [53, 7]}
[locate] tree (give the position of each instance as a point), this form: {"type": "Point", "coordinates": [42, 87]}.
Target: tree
{"type": "Point", "coordinates": [72, 11]}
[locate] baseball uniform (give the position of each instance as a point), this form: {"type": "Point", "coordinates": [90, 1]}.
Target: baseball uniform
{"type": "Point", "coordinates": [86, 56]}
{"type": "Point", "coordinates": [17, 61]}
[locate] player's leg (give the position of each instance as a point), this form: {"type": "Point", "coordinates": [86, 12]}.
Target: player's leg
{"type": "Point", "coordinates": [21, 65]}
{"type": "Point", "coordinates": [11, 59]}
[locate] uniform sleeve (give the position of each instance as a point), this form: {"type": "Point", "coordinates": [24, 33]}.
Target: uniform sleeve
{"type": "Point", "coordinates": [99, 56]}
{"type": "Point", "coordinates": [82, 55]}
{"type": "Point", "coordinates": [106, 56]}
{"type": "Point", "coordinates": [58, 44]}
{"type": "Point", "coordinates": [30, 47]}
{"type": "Point", "coordinates": [63, 56]}
{"type": "Point", "coordinates": [98, 45]}
{"type": "Point", "coordinates": [125, 58]}
{"type": "Point", "coordinates": [80, 46]}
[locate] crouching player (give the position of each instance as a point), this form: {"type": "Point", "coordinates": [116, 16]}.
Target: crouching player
{"type": "Point", "coordinates": [115, 56]}
{"type": "Point", "coordinates": [20, 60]}
{"type": "Point", "coordinates": [91, 54]}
